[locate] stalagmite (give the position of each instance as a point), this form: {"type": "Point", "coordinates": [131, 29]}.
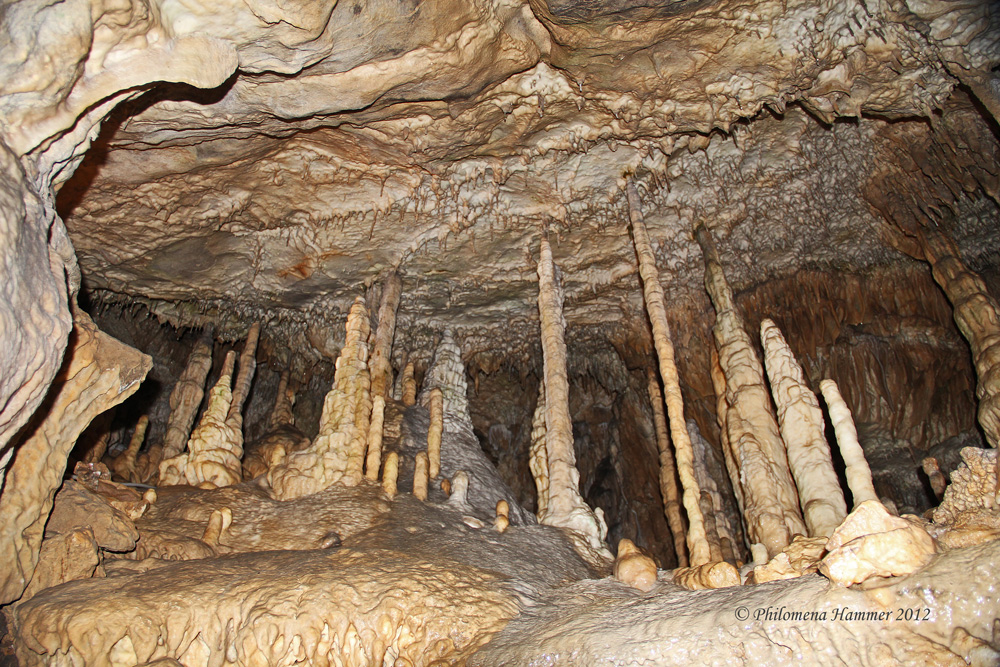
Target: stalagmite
{"type": "Point", "coordinates": [379, 365]}
{"type": "Point", "coordinates": [769, 496]}
{"type": "Point", "coordinates": [802, 425]}
{"type": "Point", "coordinates": [717, 528]}
{"type": "Point", "coordinates": [215, 449]}
{"type": "Point", "coordinates": [185, 399]}
{"type": "Point", "coordinates": [98, 373]}
{"type": "Point", "coordinates": [977, 315]}
{"type": "Point", "coordinates": [247, 368]}
{"type": "Point", "coordinates": [420, 477]}
{"type": "Point", "coordinates": [502, 520]}
{"type": "Point", "coordinates": [859, 475]}
{"type": "Point", "coordinates": [218, 523]}
{"type": "Point", "coordinates": [668, 473]}
{"type": "Point", "coordinates": [937, 479]}
{"type": "Point", "coordinates": [409, 384]}
{"type": "Point", "coordinates": [102, 425]}
{"type": "Point", "coordinates": [698, 546]}
{"type": "Point", "coordinates": [373, 459]}
{"type": "Point", "coordinates": [337, 453]}
{"type": "Point", "coordinates": [390, 473]}
{"type": "Point", "coordinates": [633, 567]}
{"type": "Point", "coordinates": [721, 408]}
{"type": "Point", "coordinates": [538, 461]}
{"type": "Point", "coordinates": [565, 508]}
{"type": "Point", "coordinates": [125, 465]}
{"type": "Point", "coordinates": [434, 432]}
{"type": "Point", "coordinates": [284, 401]}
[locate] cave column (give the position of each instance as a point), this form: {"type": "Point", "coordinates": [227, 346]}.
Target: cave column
{"type": "Point", "coordinates": [698, 546]}
{"type": "Point", "coordinates": [380, 370]}
{"type": "Point", "coordinates": [185, 399]}
{"type": "Point", "coordinates": [802, 425]}
{"type": "Point", "coordinates": [566, 507]}
{"type": "Point", "coordinates": [977, 315]}
{"type": "Point", "coordinates": [721, 408]}
{"type": "Point", "coordinates": [244, 378]}
{"type": "Point", "coordinates": [771, 503]}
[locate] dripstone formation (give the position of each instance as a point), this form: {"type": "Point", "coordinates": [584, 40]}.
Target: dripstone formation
{"type": "Point", "coordinates": [499, 333]}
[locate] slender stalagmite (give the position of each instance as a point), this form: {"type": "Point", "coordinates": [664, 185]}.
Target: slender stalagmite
{"type": "Point", "coordinates": [538, 461]}
{"type": "Point", "coordinates": [281, 414]}
{"type": "Point", "coordinates": [379, 365]}
{"type": "Point", "coordinates": [244, 378]}
{"type": "Point", "coordinates": [566, 508]}
{"type": "Point", "coordinates": [802, 425]}
{"type": "Point", "coordinates": [374, 456]}
{"type": "Point", "coordinates": [698, 546]}
{"type": "Point", "coordinates": [124, 466]}
{"type": "Point", "coordinates": [102, 425]}
{"type": "Point", "coordinates": [859, 475]}
{"type": "Point", "coordinates": [935, 476]}
{"type": "Point", "coordinates": [721, 408]}
{"type": "Point", "coordinates": [186, 398]}
{"type": "Point", "coordinates": [770, 500]}
{"type": "Point", "coordinates": [668, 473]}
{"type": "Point", "coordinates": [420, 477]}
{"type": "Point", "coordinates": [434, 432]}
{"type": "Point", "coordinates": [389, 474]}
{"type": "Point", "coordinates": [977, 315]}
{"type": "Point", "coordinates": [409, 384]}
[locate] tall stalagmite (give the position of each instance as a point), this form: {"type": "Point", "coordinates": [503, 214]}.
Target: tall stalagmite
{"type": "Point", "coordinates": [771, 501]}
{"type": "Point", "coordinates": [566, 508]}
{"type": "Point", "coordinates": [802, 427]}
{"type": "Point", "coordinates": [668, 473]}
{"type": "Point", "coordinates": [859, 475]}
{"type": "Point", "coordinates": [99, 372]}
{"type": "Point", "coordinates": [977, 315]}
{"type": "Point", "coordinates": [721, 408]}
{"type": "Point", "coordinates": [538, 461]}
{"type": "Point", "coordinates": [337, 453]}
{"type": "Point", "coordinates": [698, 546]}
{"type": "Point", "coordinates": [380, 363]}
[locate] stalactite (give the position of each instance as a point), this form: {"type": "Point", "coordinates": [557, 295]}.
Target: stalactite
{"type": "Point", "coordinates": [185, 399]}
{"type": "Point", "coordinates": [98, 373]}
{"type": "Point", "coordinates": [538, 461]}
{"type": "Point", "coordinates": [770, 497]}
{"type": "Point", "coordinates": [566, 508]}
{"type": "Point", "coordinates": [668, 473]}
{"type": "Point", "coordinates": [125, 464]}
{"type": "Point", "coordinates": [380, 366]}
{"type": "Point", "coordinates": [247, 368]}
{"type": "Point", "coordinates": [859, 475]}
{"type": "Point", "coordinates": [409, 385]}
{"type": "Point", "coordinates": [337, 453]}
{"type": "Point", "coordinates": [434, 432]}
{"type": "Point", "coordinates": [698, 546]}
{"type": "Point", "coordinates": [977, 315]}
{"type": "Point", "coordinates": [721, 408]}
{"type": "Point", "coordinates": [802, 426]}
{"type": "Point", "coordinates": [420, 477]}
{"type": "Point", "coordinates": [215, 448]}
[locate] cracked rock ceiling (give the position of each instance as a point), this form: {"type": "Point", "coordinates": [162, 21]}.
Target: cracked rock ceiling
{"type": "Point", "coordinates": [443, 138]}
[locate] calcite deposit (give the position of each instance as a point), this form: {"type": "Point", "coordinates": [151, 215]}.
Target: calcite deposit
{"type": "Point", "coordinates": [363, 333]}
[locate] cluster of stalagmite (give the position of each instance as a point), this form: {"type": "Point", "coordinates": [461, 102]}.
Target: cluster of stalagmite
{"type": "Point", "coordinates": [215, 449]}
{"type": "Point", "coordinates": [338, 451]}
{"type": "Point", "coordinates": [565, 507]}
{"type": "Point", "coordinates": [770, 499]}
{"type": "Point", "coordinates": [802, 428]}
{"type": "Point", "coordinates": [857, 472]}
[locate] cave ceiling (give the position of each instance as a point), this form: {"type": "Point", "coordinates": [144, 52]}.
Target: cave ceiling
{"type": "Point", "coordinates": [443, 138]}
